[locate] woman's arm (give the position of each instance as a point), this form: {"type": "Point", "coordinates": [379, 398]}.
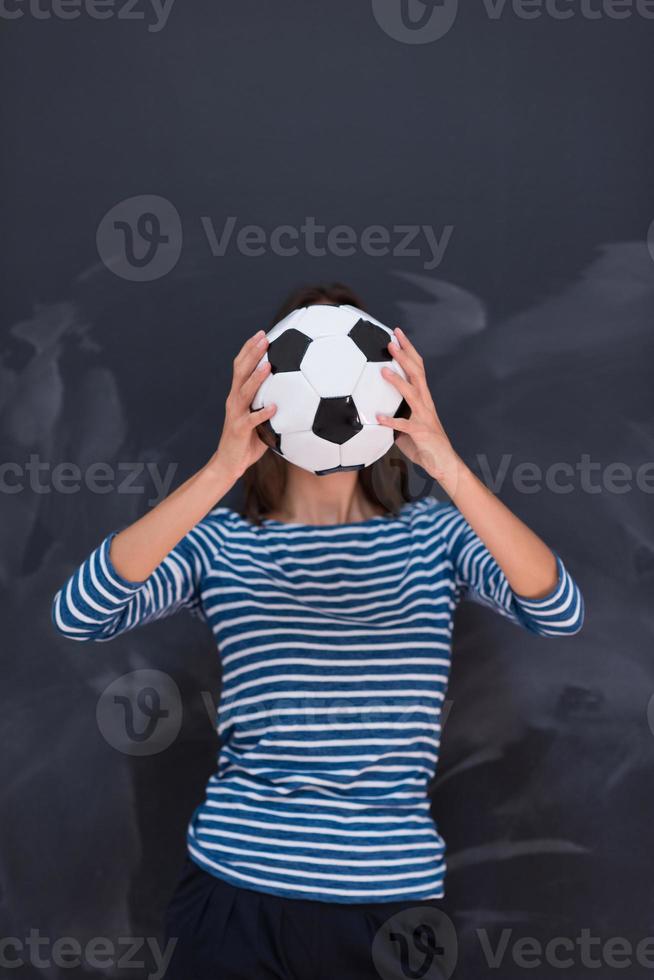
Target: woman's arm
{"type": "Point", "coordinates": [141, 547]}
{"type": "Point", "coordinates": [529, 565]}
{"type": "Point", "coordinates": [154, 567]}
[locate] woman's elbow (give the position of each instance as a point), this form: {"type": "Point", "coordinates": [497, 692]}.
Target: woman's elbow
{"type": "Point", "coordinates": [577, 620]}
{"type": "Point", "coordinates": [67, 623]}
{"type": "Point", "coordinates": [567, 622]}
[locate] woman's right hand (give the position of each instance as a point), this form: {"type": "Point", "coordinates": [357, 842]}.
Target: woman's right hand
{"type": "Point", "coordinates": [239, 445]}
{"type": "Point", "coordinates": [141, 547]}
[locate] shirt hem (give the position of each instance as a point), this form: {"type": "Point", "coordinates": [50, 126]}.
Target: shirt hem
{"type": "Point", "coordinates": [316, 896]}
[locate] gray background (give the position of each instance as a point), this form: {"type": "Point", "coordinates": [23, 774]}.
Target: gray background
{"type": "Point", "coordinates": [533, 139]}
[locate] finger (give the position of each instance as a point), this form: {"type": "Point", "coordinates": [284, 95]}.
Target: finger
{"type": "Point", "coordinates": [249, 344]}
{"type": "Point", "coordinates": [412, 364]}
{"type": "Point", "coordinates": [251, 352]}
{"type": "Point", "coordinates": [249, 388]}
{"type": "Point", "coordinates": [405, 388]}
{"type": "Point", "coordinates": [400, 425]}
{"type": "Point", "coordinates": [407, 345]}
{"type": "Point", "coordinates": [412, 368]}
{"type": "Point", "coordinates": [261, 415]}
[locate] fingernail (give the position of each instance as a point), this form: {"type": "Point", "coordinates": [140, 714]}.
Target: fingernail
{"type": "Point", "coordinates": [394, 346]}
{"type": "Point", "coordinates": [262, 342]}
{"type": "Point", "coordinates": [263, 365]}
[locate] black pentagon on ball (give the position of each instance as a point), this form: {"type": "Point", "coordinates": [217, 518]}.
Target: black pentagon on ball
{"type": "Point", "coordinates": [337, 419]}
{"type": "Point", "coordinates": [371, 339]}
{"type": "Point", "coordinates": [286, 351]}
{"type": "Point", "coordinates": [340, 469]}
{"type": "Point", "coordinates": [403, 412]}
{"type": "Point", "coordinates": [271, 438]}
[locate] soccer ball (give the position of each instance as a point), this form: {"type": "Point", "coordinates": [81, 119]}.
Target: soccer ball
{"type": "Point", "coordinates": [327, 384]}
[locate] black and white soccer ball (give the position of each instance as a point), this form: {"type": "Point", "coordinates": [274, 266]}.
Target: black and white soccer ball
{"type": "Point", "coordinates": [327, 384]}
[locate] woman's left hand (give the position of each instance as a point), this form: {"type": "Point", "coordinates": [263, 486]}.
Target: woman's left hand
{"type": "Point", "coordinates": [422, 437]}
{"type": "Point", "coordinates": [529, 565]}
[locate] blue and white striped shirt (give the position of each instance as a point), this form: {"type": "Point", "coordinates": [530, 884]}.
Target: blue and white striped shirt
{"type": "Point", "coordinates": [335, 644]}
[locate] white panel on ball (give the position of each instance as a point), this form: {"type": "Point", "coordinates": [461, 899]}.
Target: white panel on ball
{"type": "Point", "coordinates": [373, 393]}
{"type": "Point", "coordinates": [332, 365]}
{"type": "Point", "coordinates": [309, 451]}
{"type": "Point", "coordinates": [295, 399]}
{"type": "Point", "coordinates": [367, 445]}
{"type": "Point", "coordinates": [326, 321]}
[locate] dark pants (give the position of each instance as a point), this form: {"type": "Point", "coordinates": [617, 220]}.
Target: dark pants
{"type": "Point", "coordinates": [229, 933]}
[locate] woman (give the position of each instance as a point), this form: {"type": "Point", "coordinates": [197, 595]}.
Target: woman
{"type": "Point", "coordinates": [332, 607]}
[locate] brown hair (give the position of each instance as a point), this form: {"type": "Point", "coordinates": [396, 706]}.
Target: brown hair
{"type": "Point", "coordinates": [384, 483]}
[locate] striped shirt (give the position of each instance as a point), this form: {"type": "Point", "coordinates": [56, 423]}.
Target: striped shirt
{"type": "Point", "coordinates": [335, 644]}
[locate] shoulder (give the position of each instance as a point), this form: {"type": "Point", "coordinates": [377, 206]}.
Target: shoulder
{"type": "Point", "coordinates": [224, 520]}
{"type": "Point", "coordinates": [219, 525]}
{"type": "Point", "coordinates": [440, 524]}
{"type": "Point", "coordinates": [434, 520]}
{"type": "Point", "coordinates": [427, 511]}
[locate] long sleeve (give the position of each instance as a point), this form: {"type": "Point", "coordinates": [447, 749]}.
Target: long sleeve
{"type": "Point", "coordinates": [96, 603]}
{"type": "Point", "coordinates": [479, 577]}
